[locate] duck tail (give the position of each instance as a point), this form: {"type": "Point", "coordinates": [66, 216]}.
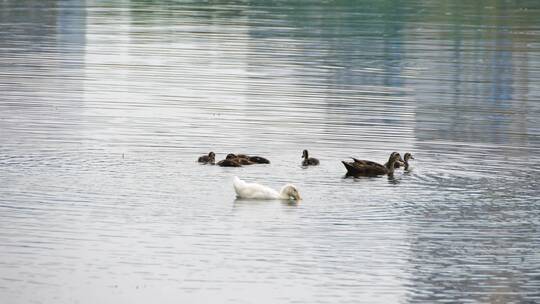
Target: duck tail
{"type": "Point", "coordinates": [350, 168]}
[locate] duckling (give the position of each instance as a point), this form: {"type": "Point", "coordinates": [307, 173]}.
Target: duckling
{"type": "Point", "coordinates": [308, 161]}
{"type": "Point", "coordinates": [208, 159]}
{"type": "Point", "coordinates": [370, 168]}
{"type": "Point", "coordinates": [398, 163]}
{"type": "Point", "coordinates": [406, 158]}
{"type": "Point", "coordinates": [230, 161]}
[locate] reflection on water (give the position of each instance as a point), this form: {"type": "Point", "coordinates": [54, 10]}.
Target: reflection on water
{"type": "Point", "coordinates": [105, 107]}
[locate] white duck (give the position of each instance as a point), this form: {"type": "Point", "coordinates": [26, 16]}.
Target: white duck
{"type": "Point", "coordinates": [256, 191]}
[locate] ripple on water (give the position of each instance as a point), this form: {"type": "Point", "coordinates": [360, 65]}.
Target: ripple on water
{"type": "Point", "coordinates": [105, 109]}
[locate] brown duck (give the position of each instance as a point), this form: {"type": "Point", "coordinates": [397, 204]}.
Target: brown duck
{"type": "Point", "coordinates": [208, 159]}
{"type": "Point", "coordinates": [398, 163]}
{"type": "Point", "coordinates": [406, 158]}
{"type": "Point", "coordinates": [242, 159]}
{"type": "Point", "coordinates": [259, 160]}
{"type": "Point", "coordinates": [370, 168]}
{"type": "Point", "coordinates": [308, 161]}
{"type": "Point", "coordinates": [230, 161]}
{"type": "Point", "coordinates": [254, 159]}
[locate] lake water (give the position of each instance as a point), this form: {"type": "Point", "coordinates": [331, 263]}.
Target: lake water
{"type": "Point", "coordinates": [105, 107]}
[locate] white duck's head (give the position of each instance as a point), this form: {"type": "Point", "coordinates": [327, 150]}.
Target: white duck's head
{"type": "Point", "coordinates": [289, 191]}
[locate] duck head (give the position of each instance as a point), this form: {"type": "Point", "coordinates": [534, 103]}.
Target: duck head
{"type": "Point", "coordinates": [396, 157]}
{"type": "Point", "coordinates": [305, 154]}
{"type": "Point", "coordinates": [290, 192]}
{"type": "Point", "coordinates": [408, 156]}
{"type": "Point", "coordinates": [399, 159]}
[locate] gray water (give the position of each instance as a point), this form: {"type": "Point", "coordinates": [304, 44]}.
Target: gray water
{"type": "Point", "coordinates": [105, 107]}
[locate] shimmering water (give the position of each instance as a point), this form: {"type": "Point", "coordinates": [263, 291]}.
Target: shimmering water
{"type": "Point", "coordinates": [106, 105]}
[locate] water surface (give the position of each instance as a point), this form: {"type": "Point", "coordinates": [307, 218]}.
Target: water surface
{"type": "Point", "coordinates": [106, 105]}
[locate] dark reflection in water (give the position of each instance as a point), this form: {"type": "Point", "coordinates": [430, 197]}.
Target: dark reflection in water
{"type": "Point", "coordinates": [105, 106]}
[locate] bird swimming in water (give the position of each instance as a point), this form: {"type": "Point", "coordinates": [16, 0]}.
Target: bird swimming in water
{"type": "Point", "coordinates": [398, 163]}
{"type": "Point", "coordinates": [257, 191]}
{"type": "Point", "coordinates": [370, 168]}
{"type": "Point", "coordinates": [308, 161]}
{"type": "Point", "coordinates": [254, 159]}
{"type": "Point", "coordinates": [208, 159]}
{"type": "Point", "coordinates": [240, 158]}
{"type": "Point", "coordinates": [259, 160]}
{"type": "Point", "coordinates": [229, 161]}
{"type": "Point", "coordinates": [406, 158]}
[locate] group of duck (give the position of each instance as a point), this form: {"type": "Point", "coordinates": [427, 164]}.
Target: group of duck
{"type": "Point", "coordinates": [357, 167]}
{"type": "Point", "coordinates": [369, 168]}
{"type": "Point", "coordinates": [233, 160]}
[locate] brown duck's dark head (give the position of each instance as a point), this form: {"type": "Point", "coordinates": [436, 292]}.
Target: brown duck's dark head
{"type": "Point", "coordinates": [211, 156]}
{"type": "Point", "coordinates": [408, 156]}
{"type": "Point", "coordinates": [305, 154]}
{"type": "Point", "coordinates": [230, 156]}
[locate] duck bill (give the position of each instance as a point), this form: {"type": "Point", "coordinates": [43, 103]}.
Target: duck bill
{"type": "Point", "coordinates": [297, 197]}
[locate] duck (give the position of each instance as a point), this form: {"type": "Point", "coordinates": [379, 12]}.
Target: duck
{"type": "Point", "coordinates": [230, 161]}
{"type": "Point", "coordinates": [208, 159]}
{"type": "Point", "coordinates": [257, 191]}
{"type": "Point", "coordinates": [240, 158]}
{"type": "Point", "coordinates": [398, 163]}
{"type": "Point", "coordinates": [406, 158]}
{"type": "Point", "coordinates": [308, 161]}
{"type": "Point", "coordinates": [259, 160]}
{"type": "Point", "coordinates": [253, 159]}
{"type": "Point", "coordinates": [370, 168]}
